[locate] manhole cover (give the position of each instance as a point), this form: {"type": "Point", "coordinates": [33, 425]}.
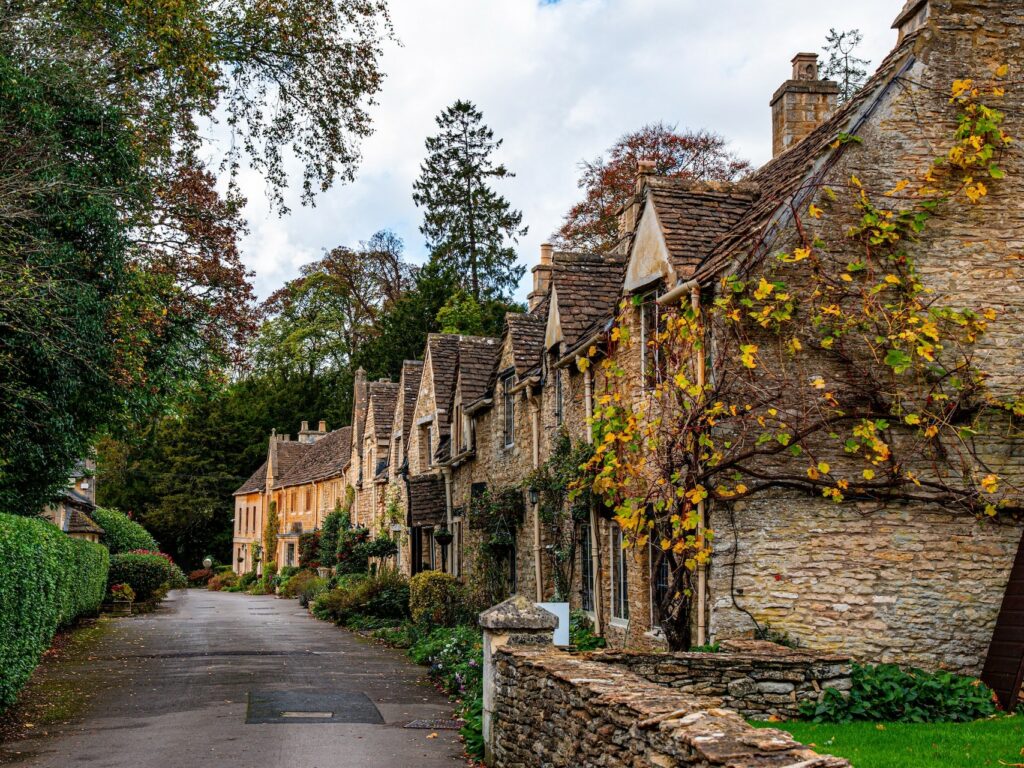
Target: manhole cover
{"type": "Point", "coordinates": [311, 707]}
{"type": "Point", "coordinates": [436, 725]}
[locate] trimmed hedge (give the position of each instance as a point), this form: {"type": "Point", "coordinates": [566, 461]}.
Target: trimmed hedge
{"type": "Point", "coordinates": [144, 573]}
{"type": "Point", "coordinates": [121, 533]}
{"type": "Point", "coordinates": [437, 599]}
{"type": "Point", "coordinates": [47, 580]}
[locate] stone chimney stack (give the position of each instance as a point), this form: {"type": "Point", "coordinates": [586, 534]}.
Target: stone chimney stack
{"type": "Point", "coordinates": [801, 104]}
{"type": "Point", "coordinates": [630, 211]}
{"type": "Point", "coordinates": [322, 427]}
{"type": "Point", "coordinates": [307, 435]}
{"type": "Point", "coordinates": [359, 404]}
{"type": "Point", "coordinates": [913, 16]}
{"type": "Point", "coordinates": [541, 277]}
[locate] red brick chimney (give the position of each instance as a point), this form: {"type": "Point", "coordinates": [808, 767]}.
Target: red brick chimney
{"type": "Point", "coordinates": [801, 104]}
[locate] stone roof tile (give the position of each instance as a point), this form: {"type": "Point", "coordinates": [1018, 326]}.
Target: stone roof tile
{"type": "Point", "coordinates": [326, 458]}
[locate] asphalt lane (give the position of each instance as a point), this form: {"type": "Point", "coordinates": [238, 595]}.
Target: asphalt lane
{"type": "Point", "coordinates": [221, 679]}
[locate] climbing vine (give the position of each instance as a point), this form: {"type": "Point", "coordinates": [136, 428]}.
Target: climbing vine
{"type": "Point", "coordinates": [832, 368]}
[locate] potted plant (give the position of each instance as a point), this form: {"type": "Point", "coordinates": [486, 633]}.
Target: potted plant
{"type": "Point", "coordinates": [443, 536]}
{"type": "Point", "coordinates": [123, 596]}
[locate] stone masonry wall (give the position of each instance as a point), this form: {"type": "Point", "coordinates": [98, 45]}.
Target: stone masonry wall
{"type": "Point", "coordinates": [911, 586]}
{"type": "Point", "coordinates": [553, 709]}
{"type": "Point", "coordinates": [756, 678]}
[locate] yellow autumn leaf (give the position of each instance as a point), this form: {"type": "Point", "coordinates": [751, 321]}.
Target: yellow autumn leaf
{"type": "Point", "coordinates": [814, 211]}
{"type": "Point", "coordinates": [932, 431]}
{"type": "Point", "coordinates": [823, 467]}
{"type": "Point", "coordinates": [747, 357]}
{"type": "Point", "coordinates": [764, 289]}
{"type": "Point", "coordinates": [818, 383]}
{"type": "Point", "coordinates": [795, 345]}
{"type": "Point", "coordinates": [912, 419]}
{"type": "Point", "coordinates": [1002, 70]}
{"type": "Point", "coordinates": [869, 474]}
{"type": "Point", "coordinates": [990, 484]}
{"type": "Point", "coordinates": [813, 473]}
{"type": "Point", "coordinates": [799, 254]}
{"type": "Point", "coordinates": [582, 364]}
{"type": "Point", "coordinates": [900, 186]}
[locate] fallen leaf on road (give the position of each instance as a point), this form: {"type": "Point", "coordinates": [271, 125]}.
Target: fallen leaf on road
{"type": "Point", "coordinates": [432, 736]}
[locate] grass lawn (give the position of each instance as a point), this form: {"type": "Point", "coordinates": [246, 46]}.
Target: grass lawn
{"type": "Point", "coordinates": [993, 743]}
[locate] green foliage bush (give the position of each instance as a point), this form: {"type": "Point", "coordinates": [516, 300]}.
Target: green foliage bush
{"type": "Point", "coordinates": [887, 693]}
{"type": "Point", "coordinates": [144, 573]}
{"type": "Point", "coordinates": [294, 586]}
{"type": "Point", "coordinates": [309, 550]}
{"type": "Point", "coordinates": [581, 633]}
{"type": "Point", "coordinates": [222, 581]}
{"type": "Point", "coordinates": [247, 579]}
{"type": "Point", "coordinates": [436, 599]}
{"type": "Point", "coordinates": [383, 598]}
{"type": "Point", "coordinates": [313, 589]}
{"type": "Point", "coordinates": [47, 580]}
{"type": "Point", "coordinates": [121, 533]}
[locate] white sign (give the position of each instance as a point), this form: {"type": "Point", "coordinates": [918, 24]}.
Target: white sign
{"type": "Point", "coordinates": [561, 611]}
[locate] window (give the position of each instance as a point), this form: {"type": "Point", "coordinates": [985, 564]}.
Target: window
{"type": "Point", "coordinates": [660, 578]}
{"type": "Point", "coordinates": [456, 545]}
{"type": "Point", "coordinates": [426, 446]}
{"type": "Point", "coordinates": [290, 554]}
{"type": "Point", "coordinates": [559, 406]}
{"type": "Point", "coordinates": [651, 362]}
{"type": "Point", "coordinates": [620, 585]}
{"type": "Point", "coordinates": [508, 411]}
{"type": "Point", "coordinates": [309, 499]}
{"type": "Point", "coordinates": [586, 570]}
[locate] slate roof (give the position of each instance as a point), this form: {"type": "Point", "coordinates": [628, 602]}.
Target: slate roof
{"type": "Point", "coordinates": [325, 458]}
{"type": "Point", "coordinates": [783, 182]}
{"type": "Point", "coordinates": [526, 333]}
{"type": "Point", "coordinates": [427, 503]}
{"type": "Point", "coordinates": [443, 349]}
{"type": "Point", "coordinates": [412, 372]}
{"type": "Point", "coordinates": [76, 521]}
{"type": "Point", "coordinates": [256, 483]}
{"type": "Point", "coordinates": [477, 357]}
{"type": "Point", "coordinates": [444, 450]}
{"type": "Point", "coordinates": [588, 286]}
{"type": "Point", "coordinates": [285, 454]}
{"type": "Point", "coordinates": [383, 396]}
{"type": "Point", "coordinates": [694, 214]}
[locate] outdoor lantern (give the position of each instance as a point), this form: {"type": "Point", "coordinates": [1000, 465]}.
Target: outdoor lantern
{"type": "Point", "coordinates": [207, 562]}
{"type": "Point", "coordinates": [534, 495]}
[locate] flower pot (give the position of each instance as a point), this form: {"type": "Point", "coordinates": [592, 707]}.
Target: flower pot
{"type": "Point", "coordinates": [322, 572]}
{"type": "Point", "coordinates": [122, 608]}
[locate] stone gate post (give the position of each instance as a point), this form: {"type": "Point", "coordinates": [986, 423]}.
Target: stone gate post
{"type": "Point", "coordinates": [517, 621]}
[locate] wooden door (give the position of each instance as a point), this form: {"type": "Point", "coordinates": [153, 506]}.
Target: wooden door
{"type": "Point", "coordinates": [1004, 665]}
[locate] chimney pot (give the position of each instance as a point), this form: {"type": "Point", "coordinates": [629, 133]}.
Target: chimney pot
{"type": "Point", "coordinates": [541, 277]}
{"type": "Point", "coordinates": [646, 167]}
{"type": "Point", "coordinates": [323, 426]}
{"type": "Point", "coordinates": [805, 66]}
{"type": "Point", "coordinates": [305, 426]}
{"type": "Point", "coordinates": [546, 250]}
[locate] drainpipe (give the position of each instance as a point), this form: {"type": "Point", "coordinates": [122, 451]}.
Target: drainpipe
{"type": "Point", "coordinates": [537, 567]}
{"type": "Point", "coordinates": [595, 561]}
{"type": "Point", "coordinates": [693, 286]}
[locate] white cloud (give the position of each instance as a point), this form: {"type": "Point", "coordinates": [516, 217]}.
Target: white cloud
{"type": "Point", "coordinates": [559, 82]}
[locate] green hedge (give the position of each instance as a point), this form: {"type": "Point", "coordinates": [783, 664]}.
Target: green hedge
{"type": "Point", "coordinates": [144, 573]}
{"type": "Point", "coordinates": [47, 580]}
{"type": "Point", "coordinates": [121, 533]}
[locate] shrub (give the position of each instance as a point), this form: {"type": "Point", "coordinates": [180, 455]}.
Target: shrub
{"type": "Point", "coordinates": [436, 599]}
{"type": "Point", "coordinates": [121, 533]}
{"type": "Point", "coordinates": [309, 549]}
{"type": "Point", "coordinates": [887, 693]}
{"type": "Point", "coordinates": [370, 600]}
{"type": "Point", "coordinates": [144, 573]}
{"type": "Point", "coordinates": [47, 580]}
{"type": "Point", "coordinates": [122, 592]}
{"type": "Point", "coordinates": [313, 589]}
{"type": "Point", "coordinates": [247, 579]}
{"type": "Point", "coordinates": [223, 580]}
{"type": "Point", "coordinates": [200, 577]}
{"type": "Point", "coordinates": [294, 586]}
{"type": "Point", "coordinates": [581, 633]}
{"type": "Point", "coordinates": [333, 523]}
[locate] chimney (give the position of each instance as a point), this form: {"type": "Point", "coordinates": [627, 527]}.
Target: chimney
{"type": "Point", "coordinates": [322, 426]}
{"type": "Point", "coordinates": [911, 18]}
{"type": "Point", "coordinates": [801, 104]}
{"type": "Point", "coordinates": [629, 212]}
{"type": "Point", "coordinates": [359, 404]}
{"type": "Point", "coordinates": [541, 277]}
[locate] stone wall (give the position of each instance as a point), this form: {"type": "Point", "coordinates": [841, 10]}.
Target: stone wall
{"type": "Point", "coordinates": [756, 678]}
{"type": "Point", "coordinates": [553, 709]}
{"type": "Point", "coordinates": [912, 586]}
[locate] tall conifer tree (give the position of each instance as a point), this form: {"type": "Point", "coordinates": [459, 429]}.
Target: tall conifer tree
{"type": "Point", "coordinates": [469, 227]}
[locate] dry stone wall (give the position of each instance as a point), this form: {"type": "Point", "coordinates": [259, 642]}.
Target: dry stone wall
{"type": "Point", "coordinates": [758, 679]}
{"type": "Point", "coordinates": [554, 709]}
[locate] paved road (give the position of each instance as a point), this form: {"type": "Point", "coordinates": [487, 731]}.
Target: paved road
{"type": "Point", "coordinates": [181, 688]}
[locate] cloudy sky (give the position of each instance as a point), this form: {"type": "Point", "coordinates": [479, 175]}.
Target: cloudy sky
{"type": "Point", "coordinates": [558, 81]}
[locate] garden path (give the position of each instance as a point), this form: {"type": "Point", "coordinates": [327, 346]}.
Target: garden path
{"type": "Point", "coordinates": [195, 683]}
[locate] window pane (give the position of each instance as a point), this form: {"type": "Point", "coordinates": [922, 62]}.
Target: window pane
{"type": "Point", "coordinates": [586, 570]}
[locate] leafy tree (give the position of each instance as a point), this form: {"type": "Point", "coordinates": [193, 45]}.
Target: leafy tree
{"type": "Point", "coordinates": [467, 224]}
{"type": "Point", "coordinates": [608, 182]}
{"type": "Point", "coordinates": [843, 66]}
{"type": "Point", "coordinates": [461, 314]}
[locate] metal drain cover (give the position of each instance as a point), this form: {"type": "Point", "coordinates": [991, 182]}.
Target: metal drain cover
{"type": "Point", "coordinates": [311, 707]}
{"type": "Point", "coordinates": [435, 725]}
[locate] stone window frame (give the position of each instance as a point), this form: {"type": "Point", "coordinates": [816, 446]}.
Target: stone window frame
{"type": "Point", "coordinates": [508, 410]}
{"type": "Point", "coordinates": [559, 399]}
{"type": "Point", "coordinates": [648, 301]}
{"type": "Point", "coordinates": [618, 577]}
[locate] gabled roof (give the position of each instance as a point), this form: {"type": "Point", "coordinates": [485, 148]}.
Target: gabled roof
{"type": "Point", "coordinates": [256, 483]}
{"type": "Point", "coordinates": [76, 521]}
{"type": "Point", "coordinates": [477, 357]}
{"type": "Point", "coordinates": [325, 458]}
{"type": "Point", "coordinates": [587, 287]}
{"type": "Point", "coordinates": [526, 335]}
{"type": "Point", "coordinates": [443, 353]}
{"type": "Point", "coordinates": [694, 214]}
{"type": "Point", "coordinates": [785, 182]}
{"type": "Point", "coordinates": [412, 372]}
{"type": "Point", "coordinates": [383, 396]}
{"type": "Point", "coordinates": [285, 454]}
